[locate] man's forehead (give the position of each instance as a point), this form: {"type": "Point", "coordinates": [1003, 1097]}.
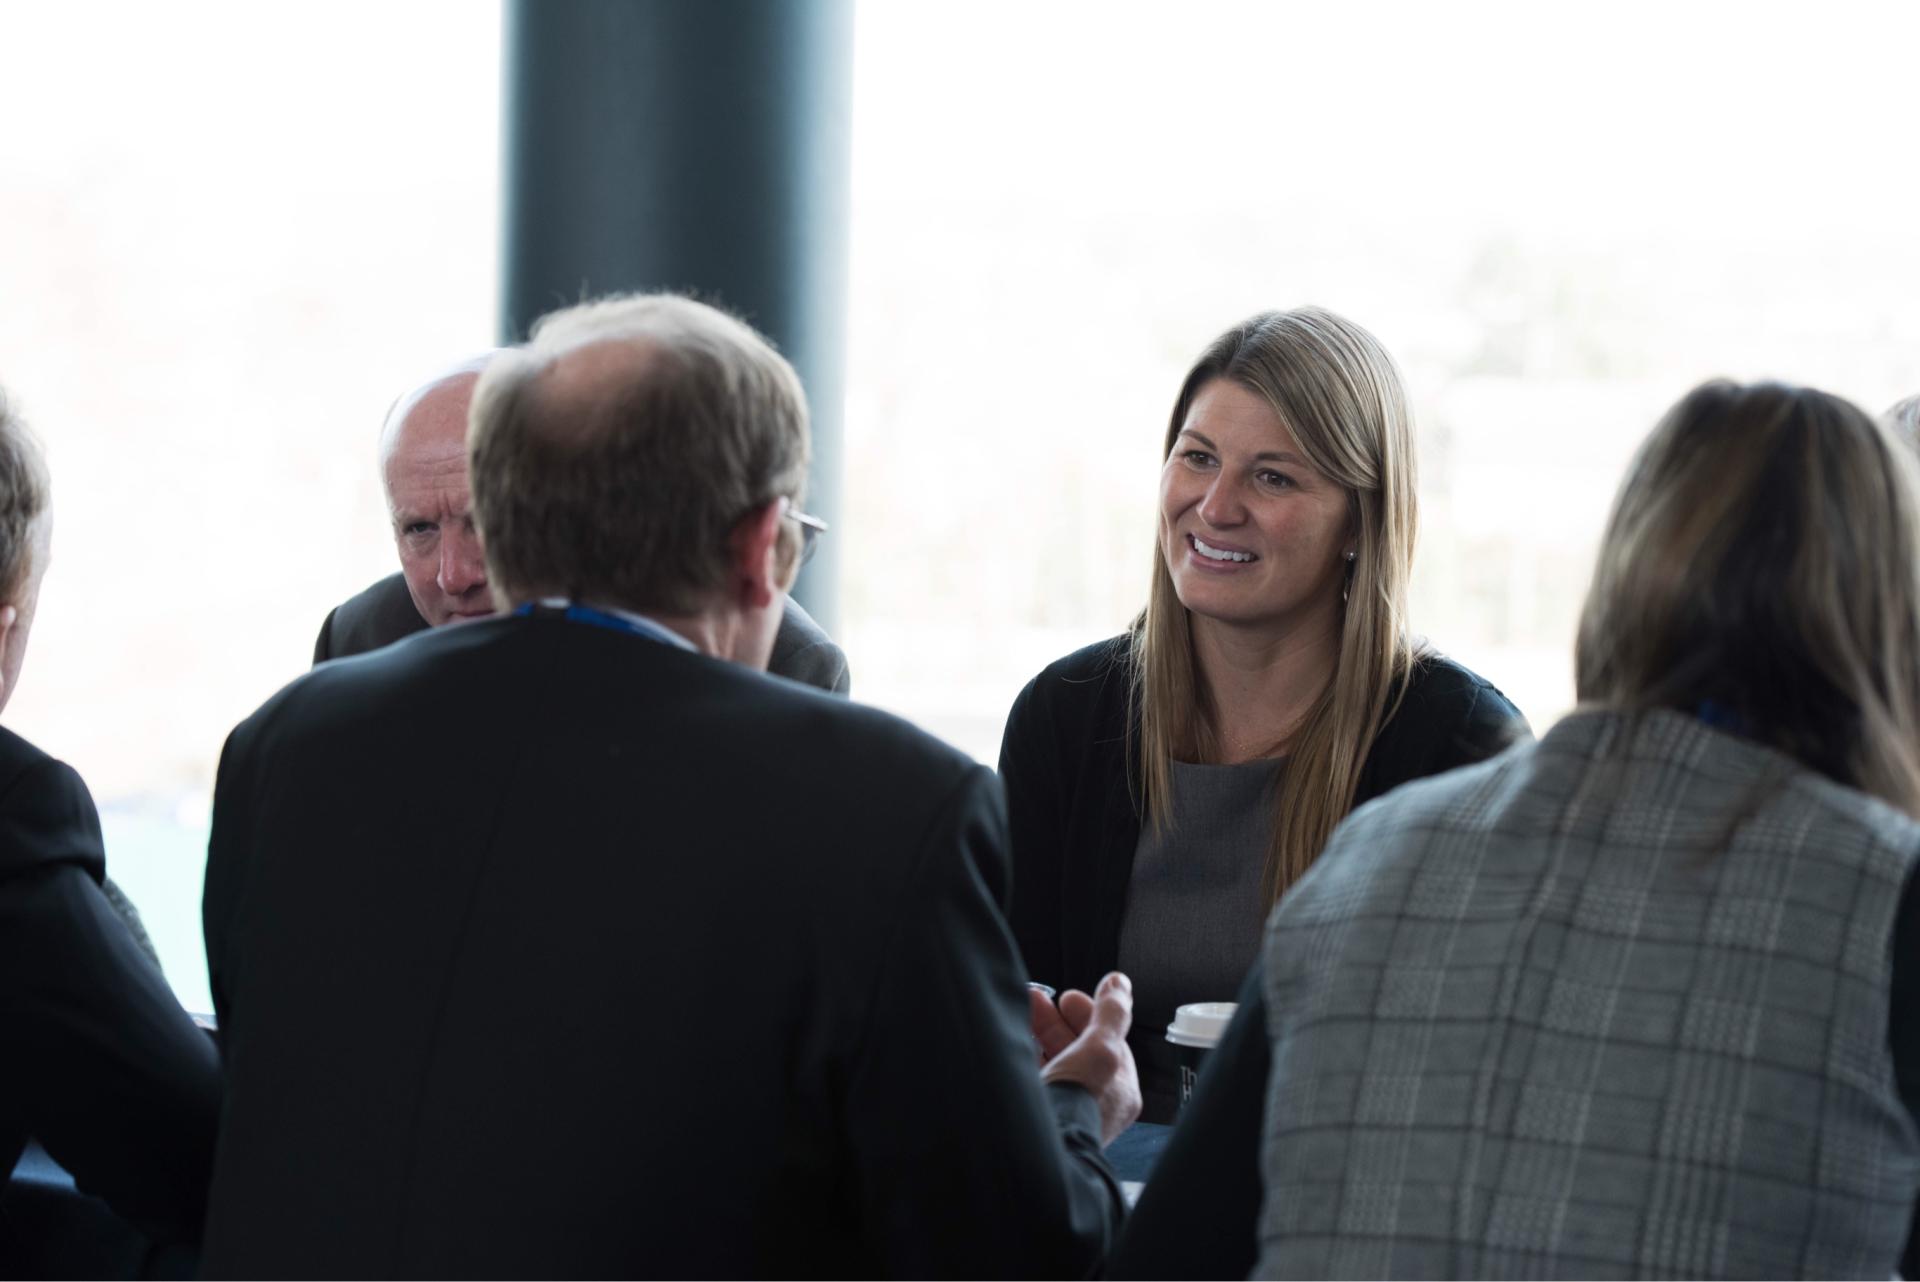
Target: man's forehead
{"type": "Point", "coordinates": [450, 381]}
{"type": "Point", "coordinates": [431, 419]}
{"type": "Point", "coordinates": [424, 462]}
{"type": "Point", "coordinates": [428, 483]}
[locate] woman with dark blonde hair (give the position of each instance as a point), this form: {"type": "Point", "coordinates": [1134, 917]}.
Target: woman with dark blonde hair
{"type": "Point", "coordinates": [1628, 1001]}
{"type": "Point", "coordinates": [1166, 786]}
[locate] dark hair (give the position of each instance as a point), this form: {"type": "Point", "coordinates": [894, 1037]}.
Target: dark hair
{"type": "Point", "coordinates": [1762, 568]}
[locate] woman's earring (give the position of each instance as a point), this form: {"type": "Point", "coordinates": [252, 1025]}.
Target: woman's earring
{"type": "Point", "coordinates": [1346, 588]}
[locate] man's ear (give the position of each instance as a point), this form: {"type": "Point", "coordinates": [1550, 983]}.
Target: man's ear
{"type": "Point", "coordinates": [7, 616]}
{"type": "Point", "coordinates": [755, 545]}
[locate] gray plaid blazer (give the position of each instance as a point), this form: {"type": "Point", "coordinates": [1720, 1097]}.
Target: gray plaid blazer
{"type": "Point", "coordinates": [1613, 1004]}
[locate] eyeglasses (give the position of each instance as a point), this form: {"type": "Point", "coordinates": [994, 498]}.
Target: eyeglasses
{"type": "Point", "coordinates": [811, 528]}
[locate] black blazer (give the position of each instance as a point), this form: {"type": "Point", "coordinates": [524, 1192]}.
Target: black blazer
{"type": "Point", "coordinates": [372, 618]}
{"type": "Point", "coordinates": [540, 949]}
{"type": "Point", "coordinates": [384, 613]}
{"type": "Point", "coordinates": [98, 1062]}
{"type": "Point", "coordinates": [1074, 808]}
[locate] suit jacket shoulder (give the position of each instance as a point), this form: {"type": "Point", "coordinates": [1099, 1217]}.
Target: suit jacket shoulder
{"type": "Point", "coordinates": [633, 829]}
{"type": "Point", "coordinates": [344, 727]}
{"type": "Point", "coordinates": [101, 1065]}
{"type": "Point", "coordinates": [1449, 716]}
{"type": "Point", "coordinates": [803, 652]}
{"type": "Point", "coordinates": [385, 613]}
{"type": "Point", "coordinates": [1073, 812]}
{"type": "Point", "coordinates": [377, 617]}
{"type": "Point", "coordinates": [46, 814]}
{"type": "Point", "coordinates": [1082, 693]}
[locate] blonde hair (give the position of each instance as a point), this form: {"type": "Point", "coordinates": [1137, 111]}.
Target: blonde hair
{"type": "Point", "coordinates": [1762, 568]}
{"type": "Point", "coordinates": [1339, 393]}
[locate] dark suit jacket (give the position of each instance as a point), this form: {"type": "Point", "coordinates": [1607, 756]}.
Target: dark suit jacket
{"type": "Point", "coordinates": [98, 1061]}
{"type": "Point", "coordinates": [385, 612]}
{"type": "Point", "coordinates": [639, 963]}
{"type": "Point", "coordinates": [1073, 805]}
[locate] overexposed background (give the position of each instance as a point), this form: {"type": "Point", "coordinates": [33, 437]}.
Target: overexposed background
{"type": "Point", "coordinates": [231, 233]}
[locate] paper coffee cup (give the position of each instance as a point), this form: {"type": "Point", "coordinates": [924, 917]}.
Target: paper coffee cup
{"type": "Point", "coordinates": [1194, 1032]}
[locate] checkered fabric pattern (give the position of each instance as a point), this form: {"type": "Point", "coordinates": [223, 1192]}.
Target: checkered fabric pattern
{"type": "Point", "coordinates": [1610, 1005]}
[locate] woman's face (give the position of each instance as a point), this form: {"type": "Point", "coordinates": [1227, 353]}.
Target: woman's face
{"type": "Point", "coordinates": [1251, 534]}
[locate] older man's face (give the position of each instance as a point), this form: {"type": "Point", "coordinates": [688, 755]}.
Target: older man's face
{"type": "Point", "coordinates": [425, 467]}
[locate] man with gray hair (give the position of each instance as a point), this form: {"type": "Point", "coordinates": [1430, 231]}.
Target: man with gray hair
{"type": "Point", "coordinates": [707, 975]}
{"type": "Point", "coordinates": [443, 573]}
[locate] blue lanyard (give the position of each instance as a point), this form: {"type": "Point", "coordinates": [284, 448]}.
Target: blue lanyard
{"type": "Point", "coordinates": [573, 612]}
{"type": "Point", "coordinates": [1721, 717]}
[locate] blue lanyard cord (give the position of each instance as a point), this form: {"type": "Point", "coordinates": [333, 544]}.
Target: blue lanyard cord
{"type": "Point", "coordinates": [1721, 717]}
{"type": "Point", "coordinates": [573, 612]}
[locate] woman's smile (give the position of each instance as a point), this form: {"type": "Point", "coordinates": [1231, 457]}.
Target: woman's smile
{"type": "Point", "coordinates": [1219, 556]}
{"type": "Point", "coordinates": [1264, 533]}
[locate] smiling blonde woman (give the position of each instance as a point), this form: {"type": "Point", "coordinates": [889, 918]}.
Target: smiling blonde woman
{"type": "Point", "coordinates": [1165, 787]}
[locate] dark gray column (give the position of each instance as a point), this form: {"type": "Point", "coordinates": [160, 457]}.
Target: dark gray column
{"type": "Point", "coordinates": [693, 145]}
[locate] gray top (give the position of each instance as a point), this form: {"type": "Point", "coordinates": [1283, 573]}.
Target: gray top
{"type": "Point", "coordinates": [1194, 909]}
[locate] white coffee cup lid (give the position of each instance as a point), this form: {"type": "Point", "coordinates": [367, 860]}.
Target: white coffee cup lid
{"type": "Point", "coordinates": [1201, 1023]}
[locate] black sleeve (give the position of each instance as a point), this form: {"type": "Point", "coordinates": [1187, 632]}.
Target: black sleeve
{"type": "Point", "coordinates": [323, 644]}
{"type": "Point", "coordinates": [1453, 720]}
{"type": "Point", "coordinates": [1903, 1031]}
{"type": "Point", "coordinates": [228, 854]}
{"type": "Point", "coordinates": [1449, 718]}
{"type": "Point", "coordinates": [1199, 1214]}
{"type": "Point", "coordinates": [1030, 773]}
{"type": "Point", "coordinates": [965, 1166]}
{"type": "Point", "coordinates": [107, 1071]}
{"type": "Point", "coordinates": [1487, 726]}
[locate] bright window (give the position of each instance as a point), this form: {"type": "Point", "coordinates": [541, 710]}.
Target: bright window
{"type": "Point", "coordinates": [230, 233]}
{"type": "Point", "coordinates": [1559, 218]}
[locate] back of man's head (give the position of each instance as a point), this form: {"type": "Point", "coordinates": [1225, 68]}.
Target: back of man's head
{"type": "Point", "coordinates": [24, 496]}
{"type": "Point", "coordinates": [25, 527]}
{"type": "Point", "coordinates": [613, 454]}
